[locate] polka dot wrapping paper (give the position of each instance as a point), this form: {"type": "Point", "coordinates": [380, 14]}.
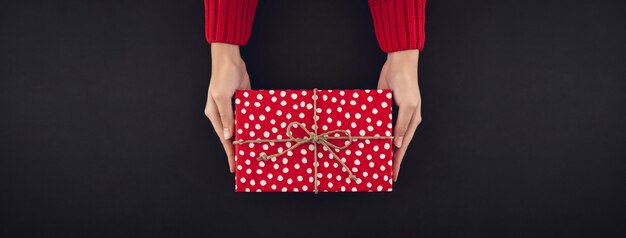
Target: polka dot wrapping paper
{"type": "Point", "coordinates": [353, 140]}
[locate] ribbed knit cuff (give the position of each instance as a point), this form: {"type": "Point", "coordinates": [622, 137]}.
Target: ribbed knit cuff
{"type": "Point", "coordinates": [229, 21]}
{"type": "Point", "coordinates": [399, 24]}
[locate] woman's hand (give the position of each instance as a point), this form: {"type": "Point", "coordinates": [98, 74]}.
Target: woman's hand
{"type": "Point", "coordinates": [228, 73]}
{"type": "Point", "coordinates": [400, 75]}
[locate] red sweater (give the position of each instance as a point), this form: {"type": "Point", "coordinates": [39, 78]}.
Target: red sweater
{"type": "Point", "coordinates": [398, 24]}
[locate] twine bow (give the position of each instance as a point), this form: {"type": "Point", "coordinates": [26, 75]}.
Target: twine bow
{"type": "Point", "coordinates": [315, 138]}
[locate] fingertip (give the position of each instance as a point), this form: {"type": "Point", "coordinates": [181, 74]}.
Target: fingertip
{"type": "Point", "coordinates": [398, 141]}
{"type": "Point", "coordinates": [227, 134]}
{"type": "Point", "coordinates": [396, 170]}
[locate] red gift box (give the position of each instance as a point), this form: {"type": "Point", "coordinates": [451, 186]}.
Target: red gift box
{"type": "Point", "coordinates": [277, 143]}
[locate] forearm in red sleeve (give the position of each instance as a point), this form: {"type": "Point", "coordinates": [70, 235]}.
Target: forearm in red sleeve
{"type": "Point", "coordinates": [229, 21]}
{"type": "Point", "coordinates": [398, 24]}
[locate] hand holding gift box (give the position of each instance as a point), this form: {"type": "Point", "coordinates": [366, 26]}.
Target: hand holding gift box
{"type": "Point", "coordinates": [313, 140]}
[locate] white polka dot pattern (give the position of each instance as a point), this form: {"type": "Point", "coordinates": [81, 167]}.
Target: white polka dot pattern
{"type": "Point", "coordinates": [265, 114]}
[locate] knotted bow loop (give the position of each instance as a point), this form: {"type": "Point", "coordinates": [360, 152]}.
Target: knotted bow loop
{"type": "Point", "coordinates": [321, 138]}
{"type": "Point", "coordinates": [295, 124]}
{"type": "Point", "coordinates": [327, 136]}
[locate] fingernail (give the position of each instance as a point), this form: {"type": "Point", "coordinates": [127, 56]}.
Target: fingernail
{"type": "Point", "coordinates": [398, 141]}
{"type": "Point", "coordinates": [226, 134]}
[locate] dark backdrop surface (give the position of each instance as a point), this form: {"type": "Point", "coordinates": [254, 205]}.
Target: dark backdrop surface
{"type": "Point", "coordinates": [102, 132]}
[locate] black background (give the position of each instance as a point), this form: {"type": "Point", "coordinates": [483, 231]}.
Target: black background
{"type": "Point", "coordinates": [103, 133]}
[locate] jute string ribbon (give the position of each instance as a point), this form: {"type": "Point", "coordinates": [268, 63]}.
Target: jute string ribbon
{"type": "Point", "coordinates": [315, 138]}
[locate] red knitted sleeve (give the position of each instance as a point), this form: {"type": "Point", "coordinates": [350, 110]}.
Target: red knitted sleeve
{"type": "Point", "coordinates": [229, 21]}
{"type": "Point", "coordinates": [399, 24]}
